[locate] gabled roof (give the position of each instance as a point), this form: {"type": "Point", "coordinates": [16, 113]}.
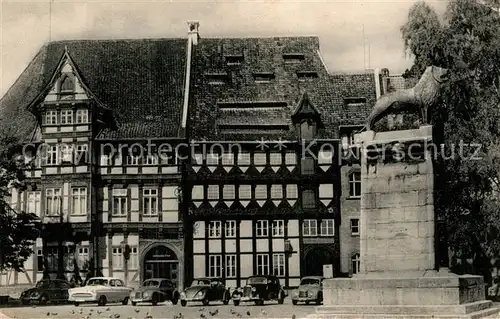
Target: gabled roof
{"type": "Point", "coordinates": [306, 110]}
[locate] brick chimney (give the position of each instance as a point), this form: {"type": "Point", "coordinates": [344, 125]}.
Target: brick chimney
{"type": "Point", "coordinates": [193, 32]}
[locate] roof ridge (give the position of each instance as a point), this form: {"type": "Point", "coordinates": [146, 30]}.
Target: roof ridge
{"type": "Point", "coordinates": [114, 40]}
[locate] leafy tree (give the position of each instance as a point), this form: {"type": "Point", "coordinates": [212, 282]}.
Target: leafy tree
{"type": "Point", "coordinates": [467, 42]}
{"type": "Point", "coordinates": [18, 230]}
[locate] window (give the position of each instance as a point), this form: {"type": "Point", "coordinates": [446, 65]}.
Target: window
{"type": "Point", "coordinates": [305, 75]}
{"type": "Point", "coordinates": [355, 263]}
{"type": "Point", "coordinates": [150, 201]}
{"type": "Point", "coordinates": [310, 227]}
{"type": "Point", "coordinates": [215, 266]}
{"type": "Point", "coordinates": [228, 159]}
{"type": "Point", "coordinates": [229, 192]}
{"type": "Point", "coordinates": [214, 229]}
{"type": "Point", "coordinates": [293, 57]}
{"type": "Point", "coordinates": [69, 258]}
{"type": "Point", "coordinates": [261, 192]}
{"type": "Point", "coordinates": [234, 59]}
{"type": "Point", "coordinates": [39, 260]}
{"type": "Point", "coordinates": [290, 158]}
{"type": "Point", "coordinates": [66, 154]}
{"type": "Point", "coordinates": [82, 256]}
{"type": "Point", "coordinates": [327, 227]}
{"type": "Point", "coordinates": [230, 266]}
{"type": "Point", "coordinates": [213, 192]}
{"type": "Point", "coordinates": [217, 78]}
{"type": "Point", "coordinates": [82, 116]}
{"type": "Point", "coordinates": [262, 228]}
{"type": "Point", "coordinates": [212, 159]}
{"type": "Point", "coordinates": [275, 159]}
{"type": "Point", "coordinates": [81, 154]}
{"type": "Point", "coordinates": [325, 157]}
{"type": "Point", "coordinates": [34, 203]}
{"type": "Point", "coordinates": [259, 159]}
{"type": "Point", "coordinates": [52, 155]}
{"type": "Point", "coordinates": [355, 185]}
{"type": "Point", "coordinates": [53, 201]}
{"type": "Point", "coordinates": [119, 202]}
{"type": "Point", "coordinates": [354, 226]}
{"type": "Point", "coordinates": [230, 228]}
{"type": "Point", "coordinates": [244, 158]}
{"type": "Point", "coordinates": [133, 261]}
{"type": "Point", "coordinates": [279, 264]}
{"type": "Point", "coordinates": [308, 166]}
{"type": "Point", "coordinates": [308, 199]}
{"type": "Point", "coordinates": [262, 264]}
{"type": "Point", "coordinates": [278, 228]}
{"type": "Point", "coordinates": [245, 191]}
{"type": "Point", "coordinates": [117, 260]}
{"type": "Point", "coordinates": [198, 159]}
{"type": "Point", "coordinates": [52, 258]}
{"type": "Point", "coordinates": [263, 77]}
{"type": "Point", "coordinates": [132, 160]}
{"type": "Point", "coordinates": [51, 117]}
{"type": "Point", "coordinates": [67, 83]}
{"type": "Point", "coordinates": [276, 192]}
{"type": "Point", "coordinates": [291, 191]}
{"type": "Point", "coordinates": [79, 197]}
{"type": "Point", "coordinates": [67, 117]}
{"type": "Point", "coordinates": [151, 160]}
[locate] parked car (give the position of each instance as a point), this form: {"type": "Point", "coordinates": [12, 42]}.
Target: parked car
{"type": "Point", "coordinates": [155, 290]}
{"type": "Point", "coordinates": [47, 290]}
{"type": "Point", "coordinates": [259, 289]}
{"type": "Point", "coordinates": [205, 290]}
{"type": "Point", "coordinates": [310, 290]}
{"type": "Point", "coordinates": [100, 290]}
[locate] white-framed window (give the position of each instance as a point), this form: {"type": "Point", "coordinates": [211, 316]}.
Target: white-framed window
{"type": "Point", "coordinates": [262, 228]}
{"type": "Point", "coordinates": [276, 191]}
{"type": "Point", "coordinates": [230, 266]}
{"type": "Point", "coordinates": [355, 184]}
{"type": "Point", "coordinates": [355, 263]}
{"type": "Point", "coordinates": [279, 264]}
{"type": "Point", "coordinates": [214, 229]}
{"type": "Point", "coordinates": [52, 258]}
{"type": "Point", "coordinates": [227, 159]}
{"type": "Point", "coordinates": [66, 153]}
{"type": "Point", "coordinates": [34, 203]}
{"type": "Point", "coordinates": [213, 192]}
{"type": "Point", "coordinates": [79, 200]}
{"type": "Point", "coordinates": [325, 157]}
{"type": "Point", "coordinates": [119, 202]}
{"type": "Point", "coordinates": [51, 117]}
{"type": "Point", "coordinates": [151, 160]}
{"type": "Point", "coordinates": [262, 264]}
{"type": "Point", "coordinates": [212, 159]}
{"type": "Point", "coordinates": [327, 227]}
{"type": "Point", "coordinates": [215, 266]}
{"type": "Point", "coordinates": [82, 116]}
{"type": "Point", "coordinates": [310, 227]}
{"type": "Point", "coordinates": [261, 192]}
{"type": "Point", "coordinates": [117, 260]}
{"type": "Point", "coordinates": [230, 228]}
{"type": "Point", "coordinates": [259, 159]}
{"type": "Point", "coordinates": [290, 158]}
{"type": "Point", "coordinates": [53, 201]}
{"type": "Point", "coordinates": [198, 159]}
{"type": "Point", "coordinates": [52, 155]}
{"type": "Point", "coordinates": [81, 154]}
{"type": "Point", "coordinates": [244, 158]}
{"type": "Point", "coordinates": [132, 160]}
{"type": "Point", "coordinates": [134, 258]}
{"type": "Point", "coordinates": [354, 226]}
{"type": "Point", "coordinates": [245, 192]}
{"type": "Point", "coordinates": [82, 256]}
{"type": "Point", "coordinates": [229, 192]}
{"type": "Point", "coordinates": [150, 201]}
{"type": "Point", "coordinates": [278, 228]}
{"type": "Point", "coordinates": [69, 258]}
{"type": "Point", "coordinates": [40, 260]}
{"type": "Point", "coordinates": [67, 117]}
{"type": "Point", "coordinates": [275, 159]}
{"type": "Point", "coordinates": [292, 191]}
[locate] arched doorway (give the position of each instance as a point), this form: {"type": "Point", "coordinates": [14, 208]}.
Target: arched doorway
{"type": "Point", "coordinates": [315, 258]}
{"type": "Point", "coordinates": [161, 262]}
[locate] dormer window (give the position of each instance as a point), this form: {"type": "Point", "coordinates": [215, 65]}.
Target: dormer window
{"type": "Point", "coordinates": [263, 77]}
{"type": "Point", "coordinates": [354, 101]}
{"type": "Point", "coordinates": [307, 75]}
{"type": "Point", "coordinates": [293, 57]}
{"type": "Point", "coordinates": [216, 78]}
{"type": "Point", "coordinates": [234, 59]}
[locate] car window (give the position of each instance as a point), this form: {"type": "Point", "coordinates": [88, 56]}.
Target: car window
{"type": "Point", "coordinates": [151, 283]}
{"type": "Point", "coordinates": [165, 284]}
{"type": "Point", "coordinates": [119, 283]}
{"type": "Point", "coordinates": [97, 282]}
{"type": "Point", "coordinates": [43, 284]}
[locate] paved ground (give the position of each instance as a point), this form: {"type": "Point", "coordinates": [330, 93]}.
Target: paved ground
{"type": "Point", "coordinates": [166, 310]}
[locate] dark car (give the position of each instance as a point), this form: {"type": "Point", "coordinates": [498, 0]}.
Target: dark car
{"type": "Point", "coordinates": [259, 289]}
{"type": "Point", "coordinates": [47, 290]}
{"type": "Point", "coordinates": [205, 290]}
{"type": "Point", "coordinates": [155, 290]}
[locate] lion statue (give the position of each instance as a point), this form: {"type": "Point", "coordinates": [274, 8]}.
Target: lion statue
{"type": "Point", "coordinates": [423, 95]}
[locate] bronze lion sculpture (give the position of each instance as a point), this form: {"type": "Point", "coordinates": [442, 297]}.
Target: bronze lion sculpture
{"type": "Point", "coordinates": [423, 95]}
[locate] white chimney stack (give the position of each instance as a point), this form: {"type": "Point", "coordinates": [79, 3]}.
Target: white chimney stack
{"type": "Point", "coordinates": [193, 31]}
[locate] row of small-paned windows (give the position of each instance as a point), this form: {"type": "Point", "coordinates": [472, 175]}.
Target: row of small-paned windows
{"type": "Point", "coordinates": [262, 228]}
{"type": "Point", "coordinates": [133, 160]}
{"type": "Point", "coordinates": [60, 154]}
{"type": "Point", "coordinates": [245, 159]}
{"type": "Point", "coordinates": [55, 117]}
{"type": "Point", "coordinates": [149, 202]}
{"type": "Point", "coordinates": [355, 185]}
{"type": "Point", "coordinates": [53, 201]}
{"type": "Point", "coordinates": [244, 192]}
{"type": "Point", "coordinates": [311, 227]}
{"type": "Point", "coordinates": [264, 266]}
{"type": "Point", "coordinates": [216, 267]}
{"type": "Point", "coordinates": [70, 255]}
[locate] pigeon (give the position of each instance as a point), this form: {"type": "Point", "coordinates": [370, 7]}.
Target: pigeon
{"type": "Point", "coordinates": [117, 315]}
{"type": "Point", "coordinates": [263, 312]}
{"type": "Point", "coordinates": [201, 309]}
{"type": "Point", "coordinates": [72, 312]}
{"type": "Point", "coordinates": [181, 316]}
{"type": "Point", "coordinates": [107, 309]}
{"type": "Point", "coordinates": [232, 311]}
{"type": "Point", "coordinates": [33, 306]}
{"type": "Point", "coordinates": [293, 316]}
{"type": "Point", "coordinates": [248, 312]}
{"type": "Point", "coordinates": [202, 316]}
{"type": "Point", "coordinates": [99, 312]}
{"type": "Point", "coordinates": [148, 316]}
{"type": "Point", "coordinates": [137, 310]}
{"type": "Point", "coordinates": [48, 314]}
{"type": "Point", "coordinates": [214, 313]}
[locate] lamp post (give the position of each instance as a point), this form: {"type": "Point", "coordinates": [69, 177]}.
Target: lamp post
{"type": "Point", "coordinates": [126, 256]}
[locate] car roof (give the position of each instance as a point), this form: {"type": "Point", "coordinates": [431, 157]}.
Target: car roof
{"type": "Point", "coordinates": [207, 278]}
{"type": "Point", "coordinates": [265, 276]}
{"type": "Point", "coordinates": [106, 278]}
{"type": "Point", "coordinates": [312, 277]}
{"type": "Point", "coordinates": [158, 279]}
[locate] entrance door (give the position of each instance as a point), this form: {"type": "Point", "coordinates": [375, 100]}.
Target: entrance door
{"type": "Point", "coordinates": [161, 262]}
{"type": "Point", "coordinates": [315, 259]}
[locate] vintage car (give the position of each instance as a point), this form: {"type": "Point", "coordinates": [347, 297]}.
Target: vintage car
{"type": "Point", "coordinates": [259, 289]}
{"type": "Point", "coordinates": [46, 290]}
{"type": "Point", "coordinates": [310, 290]}
{"type": "Point", "coordinates": [100, 290]}
{"type": "Point", "coordinates": [155, 290]}
{"type": "Point", "coordinates": [205, 290]}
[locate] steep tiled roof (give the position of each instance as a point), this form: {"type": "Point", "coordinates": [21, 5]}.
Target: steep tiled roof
{"type": "Point", "coordinates": [137, 79]}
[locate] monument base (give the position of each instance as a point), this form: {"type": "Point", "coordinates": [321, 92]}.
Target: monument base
{"type": "Point", "coordinates": [405, 295]}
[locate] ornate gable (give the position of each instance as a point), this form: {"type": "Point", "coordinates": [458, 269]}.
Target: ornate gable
{"type": "Point", "coordinates": [306, 111]}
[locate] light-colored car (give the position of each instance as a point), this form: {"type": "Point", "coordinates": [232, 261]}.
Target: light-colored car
{"type": "Point", "coordinates": [100, 290]}
{"type": "Point", "coordinates": [310, 290]}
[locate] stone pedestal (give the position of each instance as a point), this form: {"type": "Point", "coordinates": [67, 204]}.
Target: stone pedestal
{"type": "Point", "coordinates": [398, 277]}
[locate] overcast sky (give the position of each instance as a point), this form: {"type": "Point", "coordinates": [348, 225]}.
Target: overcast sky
{"type": "Point", "coordinates": [25, 26]}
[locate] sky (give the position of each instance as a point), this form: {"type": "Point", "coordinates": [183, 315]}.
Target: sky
{"type": "Point", "coordinates": [354, 35]}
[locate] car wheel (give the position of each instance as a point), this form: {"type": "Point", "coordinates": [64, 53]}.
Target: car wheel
{"type": "Point", "coordinates": [125, 301]}
{"type": "Point", "coordinates": [307, 302]}
{"type": "Point", "coordinates": [281, 297]}
{"type": "Point", "coordinates": [102, 301]}
{"type": "Point", "coordinates": [134, 303]}
{"type": "Point", "coordinates": [183, 303]}
{"type": "Point", "coordinates": [154, 300]}
{"type": "Point", "coordinates": [44, 299]}
{"type": "Point", "coordinates": [236, 303]}
{"type": "Point", "coordinates": [294, 302]}
{"type": "Point", "coordinates": [205, 301]}
{"type": "Point", "coordinates": [175, 299]}
{"type": "Point", "coordinates": [76, 304]}
{"type": "Point", "coordinates": [319, 300]}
